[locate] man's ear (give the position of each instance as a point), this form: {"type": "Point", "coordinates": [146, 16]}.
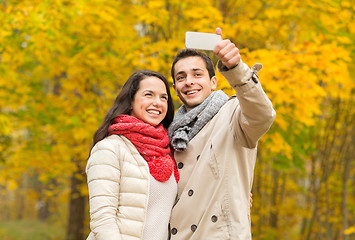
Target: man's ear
{"type": "Point", "coordinates": [214, 82]}
{"type": "Point", "coordinates": [175, 90]}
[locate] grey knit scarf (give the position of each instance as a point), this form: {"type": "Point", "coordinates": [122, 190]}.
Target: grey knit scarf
{"type": "Point", "coordinates": [187, 124]}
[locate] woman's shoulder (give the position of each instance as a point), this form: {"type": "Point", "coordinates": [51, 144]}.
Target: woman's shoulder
{"type": "Point", "coordinates": [105, 151]}
{"type": "Point", "coordinates": [112, 150]}
{"type": "Point", "coordinates": [111, 143]}
{"type": "Point", "coordinates": [116, 144]}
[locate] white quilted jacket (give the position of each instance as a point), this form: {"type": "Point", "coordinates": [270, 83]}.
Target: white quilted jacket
{"type": "Point", "coordinates": [118, 207]}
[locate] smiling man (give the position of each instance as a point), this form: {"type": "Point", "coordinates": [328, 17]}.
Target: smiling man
{"type": "Point", "coordinates": [190, 81]}
{"type": "Point", "coordinates": [215, 141]}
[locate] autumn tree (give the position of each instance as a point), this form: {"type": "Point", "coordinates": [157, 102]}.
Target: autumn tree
{"type": "Point", "coordinates": [63, 62]}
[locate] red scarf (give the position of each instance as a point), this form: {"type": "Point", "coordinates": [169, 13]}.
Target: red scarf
{"type": "Point", "coordinates": [151, 142]}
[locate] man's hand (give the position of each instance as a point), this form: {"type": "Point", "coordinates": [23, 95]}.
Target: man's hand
{"type": "Point", "coordinates": [227, 52]}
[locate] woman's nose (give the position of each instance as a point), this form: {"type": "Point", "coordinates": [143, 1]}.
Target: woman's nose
{"type": "Point", "coordinates": [157, 101]}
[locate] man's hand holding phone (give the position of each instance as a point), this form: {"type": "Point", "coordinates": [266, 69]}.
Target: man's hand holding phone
{"type": "Point", "coordinates": [224, 49]}
{"type": "Point", "coordinates": [227, 52]}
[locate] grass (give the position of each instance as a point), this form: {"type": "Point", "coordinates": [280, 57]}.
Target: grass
{"type": "Point", "coordinates": [30, 230]}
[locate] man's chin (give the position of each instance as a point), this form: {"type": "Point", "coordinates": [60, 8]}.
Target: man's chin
{"type": "Point", "coordinates": [190, 105]}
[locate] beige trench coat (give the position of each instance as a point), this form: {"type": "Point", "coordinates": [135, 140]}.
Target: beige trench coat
{"type": "Point", "coordinates": [216, 170]}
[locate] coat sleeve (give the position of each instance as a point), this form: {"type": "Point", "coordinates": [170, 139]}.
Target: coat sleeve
{"type": "Point", "coordinates": [103, 176]}
{"type": "Point", "coordinates": [254, 111]}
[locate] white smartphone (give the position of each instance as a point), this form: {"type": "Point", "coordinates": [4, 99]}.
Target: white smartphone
{"type": "Point", "coordinates": [201, 41]}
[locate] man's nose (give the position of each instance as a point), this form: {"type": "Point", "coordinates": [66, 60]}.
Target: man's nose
{"type": "Point", "coordinates": [189, 80]}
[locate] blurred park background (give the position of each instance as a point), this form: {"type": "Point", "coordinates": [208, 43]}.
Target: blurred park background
{"type": "Point", "coordinates": [62, 62]}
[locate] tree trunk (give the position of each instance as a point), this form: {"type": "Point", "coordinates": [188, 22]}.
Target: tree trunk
{"type": "Point", "coordinates": [21, 205]}
{"type": "Point", "coordinates": [43, 210]}
{"type": "Point", "coordinates": [344, 209]}
{"type": "Point", "coordinates": [274, 205]}
{"type": "Point", "coordinates": [314, 189]}
{"type": "Point", "coordinates": [76, 216]}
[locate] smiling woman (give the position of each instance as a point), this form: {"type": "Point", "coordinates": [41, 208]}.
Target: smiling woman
{"type": "Point", "coordinates": [150, 103]}
{"type": "Point", "coordinates": [131, 174]}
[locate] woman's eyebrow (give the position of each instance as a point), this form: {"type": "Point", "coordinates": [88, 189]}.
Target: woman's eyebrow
{"type": "Point", "coordinates": [148, 90]}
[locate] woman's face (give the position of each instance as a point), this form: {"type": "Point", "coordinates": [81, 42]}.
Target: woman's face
{"type": "Point", "coordinates": [150, 102]}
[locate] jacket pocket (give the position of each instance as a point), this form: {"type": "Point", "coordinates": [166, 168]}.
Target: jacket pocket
{"type": "Point", "coordinates": [213, 163]}
{"type": "Point", "coordinates": [218, 224]}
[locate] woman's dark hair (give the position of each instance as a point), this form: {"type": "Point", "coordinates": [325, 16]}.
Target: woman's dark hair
{"type": "Point", "coordinates": [123, 101]}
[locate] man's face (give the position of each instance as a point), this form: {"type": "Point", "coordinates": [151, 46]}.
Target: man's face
{"type": "Point", "coordinates": [192, 82]}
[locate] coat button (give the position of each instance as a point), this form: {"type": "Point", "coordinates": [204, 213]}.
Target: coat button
{"type": "Point", "coordinates": [173, 231]}
{"type": "Point", "coordinates": [180, 165]}
{"type": "Point", "coordinates": [198, 157]}
{"type": "Point", "coordinates": [191, 192]}
{"type": "Point", "coordinates": [193, 227]}
{"type": "Point", "coordinates": [214, 218]}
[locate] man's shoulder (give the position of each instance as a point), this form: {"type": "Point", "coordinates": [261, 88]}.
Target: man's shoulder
{"type": "Point", "coordinates": [227, 108]}
{"type": "Point", "coordinates": [224, 116]}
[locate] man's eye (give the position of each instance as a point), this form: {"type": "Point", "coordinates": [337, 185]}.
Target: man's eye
{"type": "Point", "coordinates": [180, 78]}
{"type": "Point", "coordinates": [148, 94]}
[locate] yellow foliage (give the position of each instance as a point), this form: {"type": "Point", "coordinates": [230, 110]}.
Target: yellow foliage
{"type": "Point", "coordinates": [280, 146]}
{"type": "Point", "coordinates": [12, 185]}
{"type": "Point", "coordinates": [350, 230]}
{"type": "Point", "coordinates": [5, 126]}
